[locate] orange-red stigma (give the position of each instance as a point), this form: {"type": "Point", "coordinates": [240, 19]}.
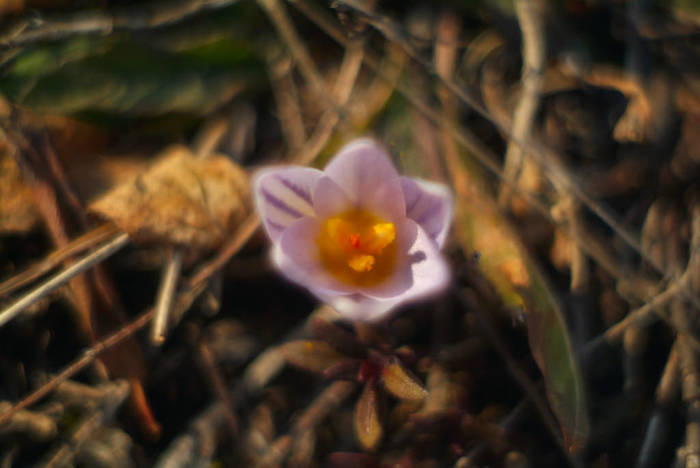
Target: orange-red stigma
{"type": "Point", "coordinates": [357, 247]}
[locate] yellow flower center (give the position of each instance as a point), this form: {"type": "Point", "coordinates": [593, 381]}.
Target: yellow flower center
{"type": "Point", "coordinates": [357, 247]}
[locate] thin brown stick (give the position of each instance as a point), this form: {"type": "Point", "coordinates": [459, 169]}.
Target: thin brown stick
{"type": "Point", "coordinates": [240, 237]}
{"type": "Point", "coordinates": [640, 316]}
{"type": "Point", "coordinates": [219, 386]}
{"type": "Point", "coordinates": [285, 28]}
{"type": "Point", "coordinates": [547, 159]}
{"type": "Point", "coordinates": [26, 148]}
{"type": "Point", "coordinates": [79, 364]}
{"type": "Point", "coordinates": [210, 135]}
{"type": "Point", "coordinates": [63, 277]}
{"type": "Point", "coordinates": [184, 300]}
{"type": "Point", "coordinates": [166, 293]}
{"type": "Point", "coordinates": [329, 399]}
{"type": "Point", "coordinates": [55, 258]}
{"type": "Point", "coordinates": [287, 99]}
{"type": "Point", "coordinates": [529, 14]}
{"type": "Point", "coordinates": [655, 306]}
{"type": "Point", "coordinates": [64, 186]}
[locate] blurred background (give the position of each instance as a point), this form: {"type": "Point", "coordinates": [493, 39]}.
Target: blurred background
{"type": "Point", "coordinates": [141, 323]}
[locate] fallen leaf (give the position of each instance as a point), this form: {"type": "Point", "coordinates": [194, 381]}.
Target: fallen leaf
{"type": "Point", "coordinates": [181, 200]}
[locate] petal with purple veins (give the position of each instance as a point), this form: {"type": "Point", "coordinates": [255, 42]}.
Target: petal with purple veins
{"type": "Point", "coordinates": [430, 205]}
{"type": "Point", "coordinates": [365, 173]}
{"type": "Point", "coordinates": [283, 195]}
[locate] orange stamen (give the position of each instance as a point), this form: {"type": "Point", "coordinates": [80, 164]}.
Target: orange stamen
{"type": "Point", "coordinates": [357, 247]}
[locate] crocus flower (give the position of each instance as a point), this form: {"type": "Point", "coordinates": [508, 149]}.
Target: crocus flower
{"type": "Point", "coordinates": [359, 236]}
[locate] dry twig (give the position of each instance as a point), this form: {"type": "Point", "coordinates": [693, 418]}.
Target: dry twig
{"type": "Point", "coordinates": [517, 162]}
{"type": "Point", "coordinates": [55, 258]}
{"type": "Point", "coordinates": [62, 277]}
{"type": "Point", "coordinates": [166, 293]}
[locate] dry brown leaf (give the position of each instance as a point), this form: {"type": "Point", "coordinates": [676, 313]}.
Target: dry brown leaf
{"type": "Point", "coordinates": [181, 200]}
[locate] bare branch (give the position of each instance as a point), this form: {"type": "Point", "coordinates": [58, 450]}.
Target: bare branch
{"type": "Point", "coordinates": [84, 242]}
{"type": "Point", "coordinates": [529, 14]}
{"type": "Point", "coordinates": [64, 276]}
{"type": "Point", "coordinates": [166, 293]}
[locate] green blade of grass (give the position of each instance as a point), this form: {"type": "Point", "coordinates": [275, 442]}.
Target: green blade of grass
{"type": "Point", "coordinates": [503, 260]}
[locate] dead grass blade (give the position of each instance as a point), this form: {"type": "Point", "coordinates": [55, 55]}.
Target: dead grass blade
{"type": "Point", "coordinates": [55, 258]}
{"type": "Point", "coordinates": [184, 300]}
{"type": "Point", "coordinates": [63, 277]}
{"type": "Point", "coordinates": [548, 160]}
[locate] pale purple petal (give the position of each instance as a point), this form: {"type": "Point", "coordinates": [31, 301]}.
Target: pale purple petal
{"type": "Point", "coordinates": [294, 201]}
{"type": "Point", "coordinates": [329, 199]}
{"type": "Point", "coordinates": [297, 256]}
{"type": "Point", "coordinates": [430, 205]}
{"type": "Point", "coordinates": [356, 307]}
{"type": "Point", "coordinates": [283, 195]}
{"type": "Point", "coordinates": [365, 173]}
{"type": "Point", "coordinates": [421, 270]}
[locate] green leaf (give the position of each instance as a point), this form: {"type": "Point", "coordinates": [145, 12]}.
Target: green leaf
{"type": "Point", "coordinates": [32, 63]}
{"type": "Point", "coordinates": [503, 260]}
{"type": "Point", "coordinates": [126, 78]}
